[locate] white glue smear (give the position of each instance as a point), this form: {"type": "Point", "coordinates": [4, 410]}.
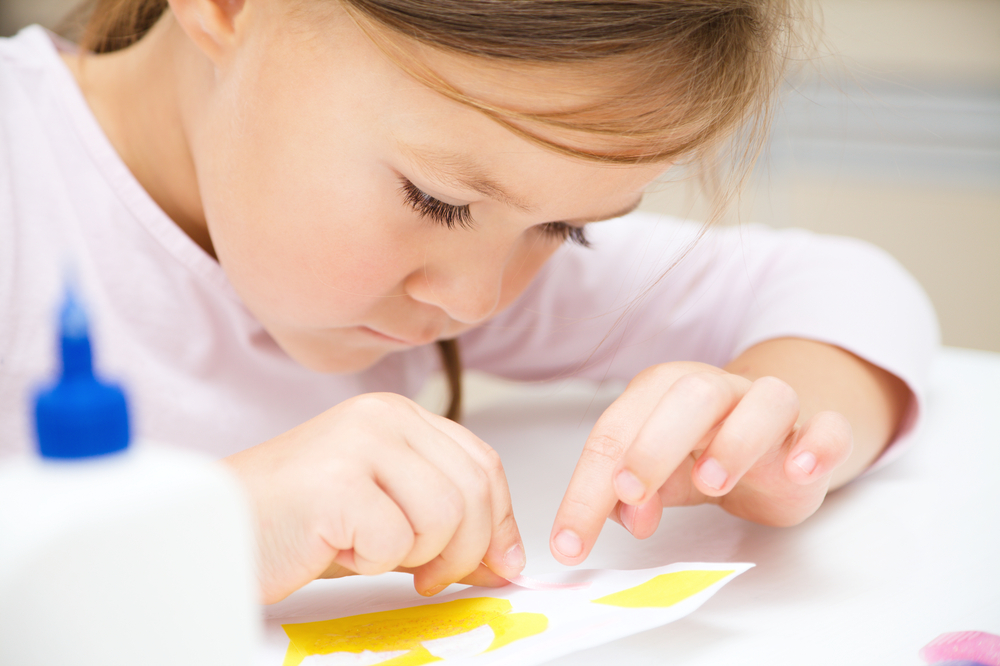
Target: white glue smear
{"type": "Point", "coordinates": [468, 644]}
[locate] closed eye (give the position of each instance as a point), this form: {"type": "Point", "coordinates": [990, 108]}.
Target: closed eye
{"type": "Point", "coordinates": [460, 216]}
{"type": "Point", "coordinates": [427, 206]}
{"type": "Point", "coordinates": [566, 232]}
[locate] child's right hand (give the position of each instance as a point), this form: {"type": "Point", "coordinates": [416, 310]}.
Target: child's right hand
{"type": "Point", "coordinates": [375, 484]}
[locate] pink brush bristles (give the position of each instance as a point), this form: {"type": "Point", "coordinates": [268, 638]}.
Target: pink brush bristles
{"type": "Point", "coordinates": [977, 646]}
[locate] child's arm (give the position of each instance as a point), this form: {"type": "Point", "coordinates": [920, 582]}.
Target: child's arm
{"type": "Point", "coordinates": [374, 484]}
{"type": "Point", "coordinates": [766, 438]}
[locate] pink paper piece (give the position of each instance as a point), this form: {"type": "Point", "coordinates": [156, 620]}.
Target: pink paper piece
{"type": "Point", "coordinates": [533, 584]}
{"type": "Point", "coordinates": [977, 646]}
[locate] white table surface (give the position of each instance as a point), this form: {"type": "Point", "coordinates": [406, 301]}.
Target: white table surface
{"type": "Point", "coordinates": [887, 564]}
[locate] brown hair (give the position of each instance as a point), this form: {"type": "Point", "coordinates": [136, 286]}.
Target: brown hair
{"type": "Point", "coordinates": [689, 80]}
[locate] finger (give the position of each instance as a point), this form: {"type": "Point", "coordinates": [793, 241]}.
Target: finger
{"type": "Point", "coordinates": [378, 542]}
{"type": "Point", "coordinates": [678, 490]}
{"type": "Point", "coordinates": [458, 560]}
{"type": "Point", "coordinates": [641, 521]}
{"type": "Point", "coordinates": [337, 570]}
{"type": "Point", "coordinates": [467, 546]}
{"type": "Point", "coordinates": [761, 422]}
{"type": "Point", "coordinates": [482, 577]}
{"type": "Point", "coordinates": [505, 554]}
{"type": "Point", "coordinates": [823, 444]}
{"type": "Point", "coordinates": [590, 497]}
{"type": "Point", "coordinates": [783, 493]}
{"type": "Point", "coordinates": [432, 503]}
{"type": "Point", "coordinates": [686, 414]}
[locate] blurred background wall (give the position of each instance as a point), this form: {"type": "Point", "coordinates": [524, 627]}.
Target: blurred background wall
{"type": "Point", "coordinates": [891, 133]}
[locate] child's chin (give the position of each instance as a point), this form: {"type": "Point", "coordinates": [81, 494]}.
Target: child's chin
{"type": "Point", "coordinates": [346, 362]}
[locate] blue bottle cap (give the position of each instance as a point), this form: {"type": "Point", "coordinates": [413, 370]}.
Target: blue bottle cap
{"type": "Point", "coordinates": [79, 416]}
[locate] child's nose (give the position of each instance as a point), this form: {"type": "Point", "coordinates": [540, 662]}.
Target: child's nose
{"type": "Point", "coordinates": [468, 291]}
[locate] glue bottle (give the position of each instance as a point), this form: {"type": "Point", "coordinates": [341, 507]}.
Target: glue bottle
{"type": "Point", "coordinates": [115, 553]}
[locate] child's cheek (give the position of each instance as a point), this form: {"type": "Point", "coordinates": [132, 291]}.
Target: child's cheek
{"type": "Point", "coordinates": [527, 259]}
{"type": "Point", "coordinates": [297, 257]}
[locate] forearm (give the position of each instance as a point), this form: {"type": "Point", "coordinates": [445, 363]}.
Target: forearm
{"type": "Point", "coordinates": [827, 378]}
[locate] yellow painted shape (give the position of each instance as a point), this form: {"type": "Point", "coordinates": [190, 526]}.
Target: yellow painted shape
{"type": "Point", "coordinates": [406, 628]}
{"type": "Point", "coordinates": [417, 657]}
{"type": "Point", "coordinates": [515, 626]}
{"type": "Point", "coordinates": [664, 590]}
{"type": "Point", "coordinates": [293, 657]}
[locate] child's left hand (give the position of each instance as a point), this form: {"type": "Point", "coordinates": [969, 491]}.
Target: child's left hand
{"type": "Point", "coordinates": [688, 433]}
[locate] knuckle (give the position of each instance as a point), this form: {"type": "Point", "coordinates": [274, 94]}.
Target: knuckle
{"type": "Point", "coordinates": [373, 405]}
{"type": "Point", "coordinates": [479, 488]}
{"type": "Point", "coordinates": [703, 387]}
{"type": "Point", "coordinates": [386, 547]}
{"type": "Point", "coordinates": [342, 475]}
{"type": "Point", "coordinates": [450, 510]}
{"type": "Point", "coordinates": [733, 443]}
{"type": "Point", "coordinates": [652, 373]}
{"type": "Point", "coordinates": [581, 504]}
{"type": "Point", "coordinates": [400, 542]}
{"type": "Point", "coordinates": [779, 392]}
{"type": "Point", "coordinates": [604, 449]}
{"type": "Point", "coordinates": [667, 372]}
{"type": "Point", "coordinates": [491, 463]}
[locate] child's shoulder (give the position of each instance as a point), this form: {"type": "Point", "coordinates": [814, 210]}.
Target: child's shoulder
{"type": "Point", "coordinates": [32, 81]}
{"type": "Point", "coordinates": [25, 59]}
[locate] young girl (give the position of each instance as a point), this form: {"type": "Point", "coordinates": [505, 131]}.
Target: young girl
{"type": "Point", "coordinates": [276, 208]}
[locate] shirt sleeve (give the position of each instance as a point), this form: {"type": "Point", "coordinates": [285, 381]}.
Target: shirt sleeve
{"type": "Point", "coordinates": [653, 289]}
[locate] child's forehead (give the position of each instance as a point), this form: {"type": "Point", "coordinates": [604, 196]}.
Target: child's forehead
{"type": "Point", "coordinates": [517, 85]}
{"type": "Point", "coordinates": [592, 109]}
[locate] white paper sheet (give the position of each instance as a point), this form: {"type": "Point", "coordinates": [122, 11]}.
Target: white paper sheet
{"type": "Point", "coordinates": [549, 616]}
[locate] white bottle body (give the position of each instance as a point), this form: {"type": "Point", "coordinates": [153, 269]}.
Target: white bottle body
{"type": "Point", "coordinates": [138, 557]}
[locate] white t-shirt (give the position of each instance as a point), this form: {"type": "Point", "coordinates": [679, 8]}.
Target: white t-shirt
{"type": "Point", "coordinates": [201, 372]}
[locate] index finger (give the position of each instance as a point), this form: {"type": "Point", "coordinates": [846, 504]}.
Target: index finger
{"type": "Point", "coordinates": [591, 496]}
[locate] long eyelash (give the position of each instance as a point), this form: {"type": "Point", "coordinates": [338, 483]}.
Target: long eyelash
{"type": "Point", "coordinates": [566, 232]}
{"type": "Point", "coordinates": [460, 216]}
{"type": "Point", "coordinates": [427, 206]}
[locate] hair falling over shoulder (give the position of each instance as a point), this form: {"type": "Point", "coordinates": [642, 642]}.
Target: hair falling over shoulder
{"type": "Point", "coordinates": [690, 81]}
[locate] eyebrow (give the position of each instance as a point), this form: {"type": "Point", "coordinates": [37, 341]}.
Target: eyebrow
{"type": "Point", "coordinates": [466, 173]}
{"type": "Point", "coordinates": [462, 171]}
{"type": "Point", "coordinates": [610, 216]}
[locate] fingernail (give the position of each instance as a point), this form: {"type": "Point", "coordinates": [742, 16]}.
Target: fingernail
{"type": "Point", "coordinates": [514, 558]}
{"type": "Point", "coordinates": [568, 543]}
{"type": "Point", "coordinates": [806, 461]}
{"type": "Point", "coordinates": [630, 489]}
{"type": "Point", "coordinates": [712, 474]}
{"type": "Point", "coordinates": [431, 591]}
{"type": "Point", "coordinates": [627, 514]}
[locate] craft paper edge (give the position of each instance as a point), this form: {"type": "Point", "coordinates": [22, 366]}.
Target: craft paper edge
{"type": "Point", "coordinates": [642, 619]}
{"type": "Point", "coordinates": [629, 622]}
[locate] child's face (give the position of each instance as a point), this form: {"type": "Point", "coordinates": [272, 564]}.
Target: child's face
{"type": "Point", "coordinates": [303, 152]}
